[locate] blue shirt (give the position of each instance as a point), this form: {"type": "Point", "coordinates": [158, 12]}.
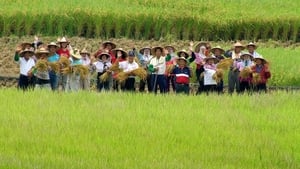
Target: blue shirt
{"type": "Point", "coordinates": [53, 58]}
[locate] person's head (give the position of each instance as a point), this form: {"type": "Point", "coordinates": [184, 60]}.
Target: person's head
{"type": "Point", "coordinates": [170, 49]}
{"type": "Point", "coordinates": [84, 53]}
{"type": "Point", "coordinates": [259, 61]}
{"type": "Point", "coordinates": [27, 55]}
{"type": "Point", "coordinates": [147, 52]}
{"type": "Point", "coordinates": [52, 47]}
{"type": "Point", "coordinates": [108, 46]}
{"type": "Point", "coordinates": [238, 47]}
{"type": "Point", "coordinates": [210, 61]}
{"type": "Point", "coordinates": [26, 45]}
{"type": "Point", "coordinates": [217, 51]}
{"type": "Point", "coordinates": [131, 56]}
{"type": "Point", "coordinates": [181, 61]}
{"type": "Point", "coordinates": [42, 53]}
{"type": "Point", "coordinates": [246, 56]}
{"type": "Point", "coordinates": [104, 57]}
{"type": "Point", "coordinates": [63, 45]}
{"type": "Point", "coordinates": [251, 47]}
{"type": "Point", "coordinates": [158, 51]}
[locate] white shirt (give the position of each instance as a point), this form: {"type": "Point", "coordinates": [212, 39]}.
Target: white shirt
{"type": "Point", "coordinates": [86, 61]}
{"type": "Point", "coordinates": [208, 77]}
{"type": "Point", "coordinates": [25, 65]}
{"type": "Point", "coordinates": [101, 66]}
{"type": "Point", "coordinates": [160, 64]}
{"type": "Point", "coordinates": [127, 67]}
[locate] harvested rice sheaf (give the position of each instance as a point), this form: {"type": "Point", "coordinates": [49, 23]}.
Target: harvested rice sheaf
{"type": "Point", "coordinates": [218, 76]}
{"type": "Point", "coordinates": [140, 72]}
{"type": "Point", "coordinates": [225, 64]}
{"type": "Point", "coordinates": [41, 65]}
{"type": "Point", "coordinates": [122, 76]}
{"type": "Point", "coordinates": [170, 68]}
{"type": "Point", "coordinates": [54, 66]}
{"type": "Point", "coordinates": [82, 70]}
{"type": "Point", "coordinates": [245, 73]}
{"type": "Point", "coordinates": [256, 78]}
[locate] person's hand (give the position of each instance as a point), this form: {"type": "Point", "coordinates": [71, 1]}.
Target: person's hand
{"type": "Point", "coordinates": [267, 69]}
{"type": "Point", "coordinates": [191, 46]}
{"type": "Point", "coordinates": [166, 52]}
{"type": "Point", "coordinates": [18, 48]}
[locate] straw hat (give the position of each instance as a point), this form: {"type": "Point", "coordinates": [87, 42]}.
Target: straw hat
{"type": "Point", "coordinates": [261, 58]}
{"type": "Point", "coordinates": [155, 48]}
{"type": "Point", "coordinates": [170, 46]}
{"type": "Point", "coordinates": [29, 50]}
{"type": "Point", "coordinates": [109, 42]}
{"type": "Point", "coordinates": [183, 51]}
{"type": "Point", "coordinates": [52, 44]}
{"type": "Point", "coordinates": [143, 49]}
{"type": "Point", "coordinates": [102, 54]}
{"type": "Point", "coordinates": [63, 40]}
{"type": "Point", "coordinates": [210, 57]}
{"type": "Point", "coordinates": [25, 43]}
{"type": "Point", "coordinates": [252, 44]}
{"type": "Point", "coordinates": [40, 51]}
{"type": "Point", "coordinates": [124, 53]}
{"type": "Point", "coordinates": [219, 48]}
{"type": "Point", "coordinates": [238, 44]}
{"type": "Point", "coordinates": [182, 58]}
{"type": "Point", "coordinates": [197, 47]}
{"type": "Point", "coordinates": [246, 54]}
{"type": "Point", "coordinates": [76, 53]}
{"type": "Point", "coordinates": [84, 51]}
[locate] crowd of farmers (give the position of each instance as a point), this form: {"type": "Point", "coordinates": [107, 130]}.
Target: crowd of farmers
{"type": "Point", "coordinates": [58, 66]}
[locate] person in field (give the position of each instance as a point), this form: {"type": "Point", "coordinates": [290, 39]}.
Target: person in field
{"type": "Point", "coordinates": [218, 53]}
{"type": "Point", "coordinates": [128, 66]}
{"type": "Point", "coordinates": [244, 67]}
{"type": "Point", "coordinates": [41, 70]}
{"type": "Point", "coordinates": [53, 58]}
{"type": "Point", "coordinates": [107, 47]}
{"type": "Point", "coordinates": [73, 78]}
{"type": "Point", "coordinates": [101, 66]}
{"type": "Point", "coordinates": [26, 62]}
{"type": "Point", "coordinates": [63, 51]}
{"type": "Point", "coordinates": [210, 84]}
{"type": "Point", "coordinates": [182, 74]}
{"type": "Point", "coordinates": [233, 75]}
{"type": "Point", "coordinates": [121, 58]}
{"type": "Point", "coordinates": [260, 74]}
{"type": "Point", "coordinates": [251, 47]}
{"type": "Point", "coordinates": [144, 57]}
{"type": "Point", "coordinates": [86, 61]}
{"type": "Point", "coordinates": [170, 81]}
{"type": "Point", "coordinates": [158, 68]}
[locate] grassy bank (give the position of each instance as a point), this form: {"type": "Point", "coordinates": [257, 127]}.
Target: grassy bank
{"type": "Point", "coordinates": [107, 130]}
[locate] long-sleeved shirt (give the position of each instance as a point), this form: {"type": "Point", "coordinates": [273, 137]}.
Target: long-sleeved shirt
{"type": "Point", "coordinates": [261, 69]}
{"type": "Point", "coordinates": [101, 66]}
{"type": "Point", "coordinates": [25, 65]}
{"type": "Point", "coordinates": [209, 71]}
{"type": "Point", "coordinates": [182, 74]}
{"type": "Point", "coordinates": [159, 63]}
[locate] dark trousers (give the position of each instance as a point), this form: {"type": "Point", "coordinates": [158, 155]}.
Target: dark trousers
{"type": "Point", "coordinates": [170, 80]}
{"type": "Point", "coordinates": [115, 85]}
{"type": "Point", "coordinates": [233, 81]}
{"type": "Point", "coordinates": [262, 87]}
{"type": "Point", "coordinates": [143, 83]}
{"type": "Point", "coordinates": [244, 85]}
{"type": "Point", "coordinates": [210, 88]}
{"type": "Point", "coordinates": [101, 84]}
{"type": "Point", "coordinates": [26, 82]}
{"type": "Point", "coordinates": [220, 87]}
{"type": "Point", "coordinates": [200, 80]}
{"type": "Point", "coordinates": [53, 80]}
{"type": "Point", "coordinates": [129, 84]}
{"type": "Point", "coordinates": [158, 80]}
{"type": "Point", "coordinates": [182, 88]}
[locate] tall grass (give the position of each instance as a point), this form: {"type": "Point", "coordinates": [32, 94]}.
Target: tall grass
{"type": "Point", "coordinates": [197, 20]}
{"type": "Point", "coordinates": [117, 130]}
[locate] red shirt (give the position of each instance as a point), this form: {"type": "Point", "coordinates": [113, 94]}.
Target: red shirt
{"type": "Point", "coordinates": [63, 52]}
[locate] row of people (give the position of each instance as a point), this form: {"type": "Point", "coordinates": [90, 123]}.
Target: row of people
{"type": "Point", "coordinates": [163, 67]}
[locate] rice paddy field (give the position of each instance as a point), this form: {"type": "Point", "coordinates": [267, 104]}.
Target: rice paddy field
{"type": "Point", "coordinates": [154, 19]}
{"type": "Point", "coordinates": [42, 129]}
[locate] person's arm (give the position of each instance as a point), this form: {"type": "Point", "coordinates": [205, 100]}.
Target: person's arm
{"type": "Point", "coordinates": [17, 57]}
{"type": "Point", "coordinates": [190, 60]}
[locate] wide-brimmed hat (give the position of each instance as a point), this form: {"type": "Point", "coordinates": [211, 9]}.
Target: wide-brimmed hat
{"type": "Point", "coordinates": [183, 51]}
{"type": "Point", "coordinates": [109, 42]}
{"type": "Point", "coordinates": [202, 43]}
{"type": "Point", "coordinates": [52, 44]}
{"type": "Point", "coordinates": [75, 53]}
{"type": "Point", "coordinates": [210, 57]}
{"type": "Point", "coordinates": [170, 46]}
{"type": "Point", "coordinates": [217, 48]}
{"type": "Point", "coordinates": [155, 48]}
{"type": "Point", "coordinates": [238, 44]}
{"type": "Point", "coordinates": [29, 50]}
{"type": "Point", "coordinates": [124, 53]}
{"type": "Point", "coordinates": [84, 51]}
{"type": "Point", "coordinates": [143, 49]}
{"type": "Point", "coordinates": [261, 58]}
{"type": "Point", "coordinates": [252, 44]}
{"type": "Point", "coordinates": [247, 54]}
{"type": "Point", "coordinates": [63, 40]}
{"type": "Point", "coordinates": [182, 58]}
{"type": "Point", "coordinates": [40, 51]}
{"type": "Point", "coordinates": [102, 54]}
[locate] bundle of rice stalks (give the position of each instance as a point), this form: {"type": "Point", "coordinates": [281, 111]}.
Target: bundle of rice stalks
{"type": "Point", "coordinates": [54, 66]}
{"type": "Point", "coordinates": [122, 76]}
{"type": "Point", "coordinates": [225, 64]}
{"type": "Point", "coordinates": [245, 73]}
{"type": "Point", "coordinates": [256, 78]}
{"type": "Point", "coordinates": [104, 77]}
{"type": "Point", "coordinates": [170, 68]}
{"type": "Point", "coordinates": [66, 70]}
{"type": "Point", "coordinates": [41, 65]}
{"type": "Point", "coordinates": [82, 70]}
{"type": "Point", "coordinates": [64, 62]}
{"type": "Point", "coordinates": [140, 72]}
{"type": "Point", "coordinates": [115, 67]}
{"type": "Point", "coordinates": [218, 76]}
